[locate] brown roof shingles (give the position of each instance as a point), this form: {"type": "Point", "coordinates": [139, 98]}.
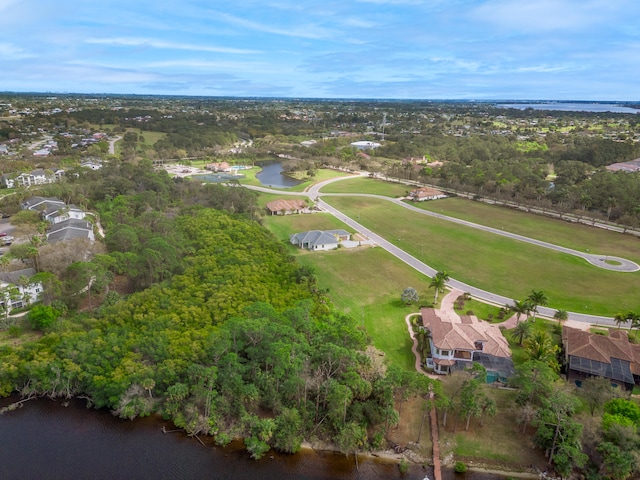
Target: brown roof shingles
{"type": "Point", "coordinates": [447, 335]}
{"type": "Point", "coordinates": [583, 344]}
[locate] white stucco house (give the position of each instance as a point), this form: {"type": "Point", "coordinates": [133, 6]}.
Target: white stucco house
{"type": "Point", "coordinates": [16, 289]}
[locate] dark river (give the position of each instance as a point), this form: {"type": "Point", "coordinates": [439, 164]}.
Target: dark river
{"type": "Point", "coordinates": [270, 176]}
{"type": "Point", "coordinates": [45, 441]}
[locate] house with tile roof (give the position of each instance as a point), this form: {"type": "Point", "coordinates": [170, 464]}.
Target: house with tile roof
{"type": "Point", "coordinates": [426, 193]}
{"type": "Point", "coordinates": [457, 341]}
{"type": "Point", "coordinates": [286, 207]}
{"type": "Point", "coordinates": [611, 356]}
{"type": "Point", "coordinates": [320, 239]}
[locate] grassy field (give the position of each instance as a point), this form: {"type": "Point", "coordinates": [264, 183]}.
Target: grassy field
{"type": "Point", "coordinates": [498, 264]}
{"type": "Point", "coordinates": [367, 185]}
{"type": "Point", "coordinates": [558, 232]}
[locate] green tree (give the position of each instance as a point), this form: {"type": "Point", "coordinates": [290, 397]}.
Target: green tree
{"type": "Point", "coordinates": [540, 347]}
{"type": "Point", "coordinates": [42, 317]}
{"type": "Point", "coordinates": [521, 331]}
{"type": "Point", "coordinates": [561, 316]}
{"type": "Point", "coordinates": [520, 307]}
{"type": "Point", "coordinates": [410, 295]}
{"type": "Point", "coordinates": [536, 298]}
{"type": "Point", "coordinates": [439, 282]}
{"type": "Point", "coordinates": [596, 391]}
{"type": "Point", "coordinates": [558, 433]}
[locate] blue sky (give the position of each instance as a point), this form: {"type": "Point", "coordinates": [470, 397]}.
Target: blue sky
{"type": "Point", "coordinates": [434, 49]}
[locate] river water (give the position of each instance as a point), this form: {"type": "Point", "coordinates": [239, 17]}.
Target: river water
{"type": "Point", "coordinates": [45, 440]}
{"type": "Point", "coordinates": [271, 176]}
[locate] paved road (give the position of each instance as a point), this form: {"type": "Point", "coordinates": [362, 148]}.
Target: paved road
{"type": "Point", "coordinates": [598, 260]}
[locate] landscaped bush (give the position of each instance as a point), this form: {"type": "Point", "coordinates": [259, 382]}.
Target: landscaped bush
{"type": "Point", "coordinates": [460, 467]}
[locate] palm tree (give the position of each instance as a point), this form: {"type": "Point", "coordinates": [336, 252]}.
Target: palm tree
{"type": "Point", "coordinates": [561, 316]}
{"type": "Point", "coordinates": [540, 347]}
{"type": "Point", "coordinates": [521, 331]}
{"type": "Point", "coordinates": [537, 298]}
{"type": "Point", "coordinates": [439, 282]}
{"type": "Point", "coordinates": [620, 318]}
{"type": "Point", "coordinates": [520, 307]}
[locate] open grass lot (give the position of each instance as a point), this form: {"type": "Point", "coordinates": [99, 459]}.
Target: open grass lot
{"type": "Point", "coordinates": [366, 284]}
{"type": "Point", "coordinates": [367, 185]}
{"type": "Point", "coordinates": [498, 264]}
{"type": "Point", "coordinates": [498, 441]}
{"type": "Point", "coordinates": [558, 232]}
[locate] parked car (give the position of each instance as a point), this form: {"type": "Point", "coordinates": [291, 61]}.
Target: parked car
{"type": "Point", "coordinates": [3, 234]}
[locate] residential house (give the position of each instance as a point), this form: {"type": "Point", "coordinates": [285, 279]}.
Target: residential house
{"type": "Point", "coordinates": [425, 193]}
{"type": "Point", "coordinates": [320, 239]}
{"type": "Point", "coordinates": [35, 177]}
{"type": "Point", "coordinates": [16, 291]}
{"type": "Point", "coordinates": [56, 213]}
{"type": "Point", "coordinates": [4, 150]}
{"type": "Point", "coordinates": [287, 207]}
{"type": "Point", "coordinates": [70, 229]}
{"type": "Point", "coordinates": [41, 203]}
{"type": "Point", "coordinates": [365, 145]}
{"type": "Point", "coordinates": [611, 356]}
{"type": "Point", "coordinates": [93, 165]}
{"type": "Point", "coordinates": [456, 342]}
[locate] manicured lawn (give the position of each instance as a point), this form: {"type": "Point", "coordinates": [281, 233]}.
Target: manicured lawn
{"type": "Point", "coordinates": [497, 264]}
{"type": "Point", "coordinates": [366, 284]}
{"type": "Point", "coordinates": [284, 226]}
{"type": "Point", "coordinates": [579, 237]}
{"type": "Point", "coordinates": [367, 185]}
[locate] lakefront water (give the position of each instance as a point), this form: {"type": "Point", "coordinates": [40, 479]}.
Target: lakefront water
{"type": "Point", "coordinates": [271, 176]}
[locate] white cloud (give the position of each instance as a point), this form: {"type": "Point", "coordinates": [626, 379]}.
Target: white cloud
{"type": "Point", "coordinates": [546, 15]}
{"type": "Point", "coordinates": [9, 51]}
{"type": "Point", "coordinates": [304, 31]}
{"type": "Point", "coordinates": [147, 42]}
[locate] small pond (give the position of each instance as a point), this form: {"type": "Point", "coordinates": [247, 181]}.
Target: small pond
{"type": "Point", "coordinates": [271, 176]}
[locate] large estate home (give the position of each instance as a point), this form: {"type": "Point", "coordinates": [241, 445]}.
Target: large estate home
{"type": "Point", "coordinates": [611, 356]}
{"type": "Point", "coordinates": [457, 341]}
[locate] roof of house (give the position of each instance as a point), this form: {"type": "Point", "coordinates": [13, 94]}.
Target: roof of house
{"type": "Point", "coordinates": [425, 192]}
{"type": "Point", "coordinates": [463, 335]}
{"type": "Point", "coordinates": [71, 223]}
{"type": "Point", "coordinates": [603, 355]}
{"type": "Point", "coordinates": [14, 277]}
{"type": "Point", "coordinates": [318, 237]}
{"type": "Point", "coordinates": [56, 207]}
{"type": "Point", "coordinates": [33, 201]}
{"type": "Point", "coordinates": [286, 205]}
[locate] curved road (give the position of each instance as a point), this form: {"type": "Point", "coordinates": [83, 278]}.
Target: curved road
{"type": "Point", "coordinates": [598, 260]}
